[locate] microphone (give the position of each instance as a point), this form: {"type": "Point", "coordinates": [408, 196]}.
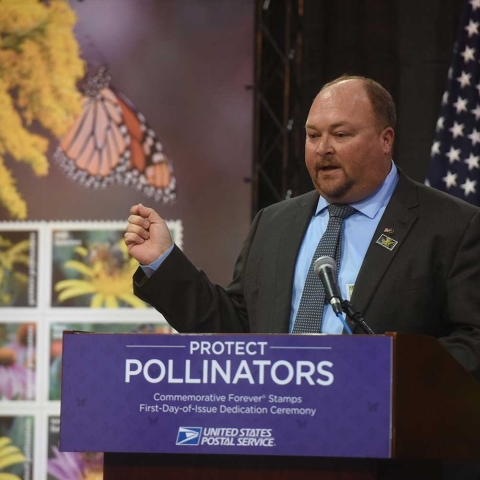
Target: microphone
{"type": "Point", "coordinates": [325, 268]}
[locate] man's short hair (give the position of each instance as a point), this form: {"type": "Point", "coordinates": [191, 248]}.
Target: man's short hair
{"type": "Point", "coordinates": [380, 99]}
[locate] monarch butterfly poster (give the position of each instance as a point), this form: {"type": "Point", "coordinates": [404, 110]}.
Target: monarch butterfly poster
{"type": "Point", "coordinates": [156, 110]}
{"type": "Point", "coordinates": [110, 141]}
{"type": "Point", "coordinates": [105, 104]}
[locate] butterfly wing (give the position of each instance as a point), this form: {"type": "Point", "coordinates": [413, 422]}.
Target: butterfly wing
{"type": "Point", "coordinates": [111, 142]}
{"type": "Point", "coordinates": [149, 168]}
{"type": "Point", "coordinates": [97, 144]}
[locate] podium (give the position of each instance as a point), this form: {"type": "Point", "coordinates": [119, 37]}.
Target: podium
{"type": "Point", "coordinates": [432, 413]}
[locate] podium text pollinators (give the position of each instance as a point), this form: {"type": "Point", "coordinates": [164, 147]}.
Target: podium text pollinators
{"type": "Point", "coordinates": [253, 368]}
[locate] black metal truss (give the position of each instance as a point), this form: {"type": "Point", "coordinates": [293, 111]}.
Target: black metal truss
{"type": "Point", "coordinates": [278, 133]}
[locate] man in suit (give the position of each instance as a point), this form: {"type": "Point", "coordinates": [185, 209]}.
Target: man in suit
{"type": "Point", "coordinates": [410, 254]}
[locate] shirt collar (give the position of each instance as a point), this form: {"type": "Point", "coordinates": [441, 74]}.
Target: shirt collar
{"type": "Point", "coordinates": [371, 205]}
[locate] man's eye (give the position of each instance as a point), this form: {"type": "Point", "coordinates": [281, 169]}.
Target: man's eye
{"type": "Point", "coordinates": [341, 134]}
{"type": "Point", "coordinates": [312, 135]}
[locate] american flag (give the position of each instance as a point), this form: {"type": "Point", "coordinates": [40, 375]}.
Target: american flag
{"type": "Point", "coordinates": [455, 153]}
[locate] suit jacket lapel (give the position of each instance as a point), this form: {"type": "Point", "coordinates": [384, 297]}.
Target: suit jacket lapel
{"type": "Point", "coordinates": [399, 216]}
{"type": "Point", "coordinates": [290, 241]}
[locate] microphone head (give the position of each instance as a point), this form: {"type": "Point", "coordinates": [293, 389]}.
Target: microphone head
{"type": "Point", "coordinates": [322, 262]}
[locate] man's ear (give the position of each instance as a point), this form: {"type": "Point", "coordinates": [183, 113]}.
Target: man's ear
{"type": "Point", "coordinates": [388, 135]}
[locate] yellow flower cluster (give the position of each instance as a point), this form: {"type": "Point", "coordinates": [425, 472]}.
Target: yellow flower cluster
{"type": "Point", "coordinates": [17, 141]}
{"type": "Point", "coordinates": [106, 280]}
{"type": "Point", "coordinates": [39, 69]}
{"type": "Point", "coordinates": [9, 196]}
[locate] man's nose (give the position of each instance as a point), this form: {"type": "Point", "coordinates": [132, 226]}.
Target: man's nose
{"type": "Point", "coordinates": [324, 146]}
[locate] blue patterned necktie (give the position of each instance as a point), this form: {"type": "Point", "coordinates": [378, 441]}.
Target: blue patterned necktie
{"type": "Point", "coordinates": [310, 311]}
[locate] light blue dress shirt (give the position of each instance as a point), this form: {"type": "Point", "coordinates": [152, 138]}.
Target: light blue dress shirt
{"type": "Point", "coordinates": [357, 233]}
{"type": "Point", "coordinates": [149, 270]}
{"type": "Point", "coordinates": [358, 230]}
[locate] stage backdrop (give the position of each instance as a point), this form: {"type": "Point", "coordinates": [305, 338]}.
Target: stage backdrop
{"type": "Point", "coordinates": [105, 104]}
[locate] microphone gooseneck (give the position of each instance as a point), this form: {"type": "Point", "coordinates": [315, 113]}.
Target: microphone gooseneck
{"type": "Point", "coordinates": [355, 316]}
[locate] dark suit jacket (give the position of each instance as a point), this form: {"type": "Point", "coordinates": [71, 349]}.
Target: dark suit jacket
{"type": "Point", "coordinates": [428, 284]}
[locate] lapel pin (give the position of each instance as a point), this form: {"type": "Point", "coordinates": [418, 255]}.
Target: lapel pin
{"type": "Point", "coordinates": [386, 242]}
{"type": "Point", "coordinates": [389, 231]}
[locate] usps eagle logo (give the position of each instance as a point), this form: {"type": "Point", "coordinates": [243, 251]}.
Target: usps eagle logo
{"type": "Point", "coordinates": [188, 436]}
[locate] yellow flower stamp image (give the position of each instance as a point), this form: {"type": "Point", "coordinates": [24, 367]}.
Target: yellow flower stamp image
{"type": "Point", "coordinates": [16, 447]}
{"type": "Point", "coordinates": [387, 242]}
{"type": "Point", "coordinates": [92, 269]}
{"type": "Point", "coordinates": [18, 268]}
{"type": "Point", "coordinates": [9, 455]}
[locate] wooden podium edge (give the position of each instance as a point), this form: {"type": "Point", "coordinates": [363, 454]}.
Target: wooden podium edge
{"type": "Point", "coordinates": [436, 402]}
{"type": "Point", "coordinates": [151, 466]}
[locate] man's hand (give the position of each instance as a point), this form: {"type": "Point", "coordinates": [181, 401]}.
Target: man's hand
{"type": "Point", "coordinates": [147, 235]}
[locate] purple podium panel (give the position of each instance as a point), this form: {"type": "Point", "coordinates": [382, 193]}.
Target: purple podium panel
{"type": "Point", "coordinates": [313, 395]}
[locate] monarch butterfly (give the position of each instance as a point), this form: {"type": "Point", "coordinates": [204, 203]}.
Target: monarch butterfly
{"type": "Point", "coordinates": [111, 143]}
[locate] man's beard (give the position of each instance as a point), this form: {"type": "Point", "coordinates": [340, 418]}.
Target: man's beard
{"type": "Point", "coordinates": [336, 192]}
